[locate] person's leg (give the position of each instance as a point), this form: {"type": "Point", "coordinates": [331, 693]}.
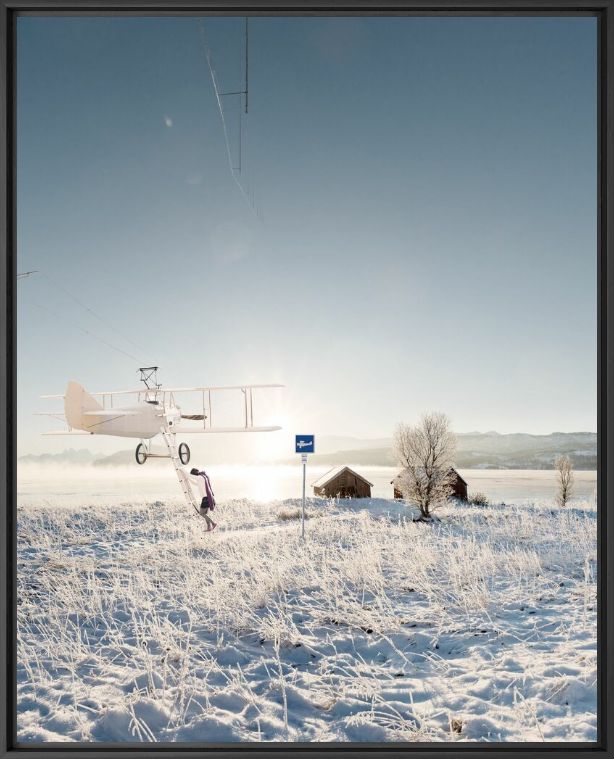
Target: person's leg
{"type": "Point", "coordinates": [208, 520]}
{"type": "Point", "coordinates": [204, 508]}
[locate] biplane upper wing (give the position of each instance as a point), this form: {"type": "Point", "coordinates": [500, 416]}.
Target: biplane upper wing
{"type": "Point", "coordinates": [219, 387]}
{"type": "Point", "coordinates": [160, 390]}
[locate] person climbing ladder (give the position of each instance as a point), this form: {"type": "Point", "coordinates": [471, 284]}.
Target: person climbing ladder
{"type": "Point", "coordinates": [207, 504]}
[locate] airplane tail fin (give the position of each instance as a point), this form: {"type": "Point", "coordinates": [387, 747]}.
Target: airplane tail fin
{"type": "Point", "coordinates": [76, 401]}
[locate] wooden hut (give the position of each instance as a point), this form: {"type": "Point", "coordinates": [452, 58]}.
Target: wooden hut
{"type": "Point", "coordinates": [342, 482]}
{"type": "Point", "coordinates": [459, 486]}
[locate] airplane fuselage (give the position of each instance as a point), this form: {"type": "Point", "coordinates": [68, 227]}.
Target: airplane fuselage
{"type": "Point", "coordinates": [143, 421]}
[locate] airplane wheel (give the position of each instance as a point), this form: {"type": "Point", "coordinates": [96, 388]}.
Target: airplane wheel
{"type": "Point", "coordinates": [184, 453]}
{"type": "Point", "coordinates": [140, 454]}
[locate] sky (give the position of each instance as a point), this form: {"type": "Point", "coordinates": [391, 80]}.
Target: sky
{"type": "Point", "coordinates": [420, 233]}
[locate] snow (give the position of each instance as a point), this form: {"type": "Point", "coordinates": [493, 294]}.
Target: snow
{"type": "Point", "coordinates": [134, 625]}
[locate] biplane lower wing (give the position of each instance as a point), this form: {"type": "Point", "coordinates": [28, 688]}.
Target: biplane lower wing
{"type": "Point", "coordinates": [67, 432]}
{"type": "Point", "coordinates": [178, 431]}
{"type": "Point", "coordinates": [184, 431]}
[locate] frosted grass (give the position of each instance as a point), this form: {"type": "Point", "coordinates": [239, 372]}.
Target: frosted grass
{"type": "Point", "coordinates": [134, 626]}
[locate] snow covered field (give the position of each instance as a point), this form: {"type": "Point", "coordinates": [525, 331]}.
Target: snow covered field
{"type": "Point", "coordinates": [135, 626]}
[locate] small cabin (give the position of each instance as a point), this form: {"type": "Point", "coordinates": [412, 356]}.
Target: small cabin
{"type": "Point", "coordinates": [459, 486]}
{"type": "Point", "coordinates": [342, 482]}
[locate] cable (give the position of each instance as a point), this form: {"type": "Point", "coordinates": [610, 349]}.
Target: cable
{"type": "Point", "coordinates": [90, 334]}
{"type": "Point", "coordinates": [221, 110]}
{"type": "Point", "coordinates": [92, 312]}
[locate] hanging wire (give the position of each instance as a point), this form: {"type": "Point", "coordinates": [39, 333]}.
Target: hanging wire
{"type": "Point", "coordinates": [89, 334]}
{"type": "Point", "coordinates": [218, 97]}
{"type": "Point", "coordinates": [92, 312]}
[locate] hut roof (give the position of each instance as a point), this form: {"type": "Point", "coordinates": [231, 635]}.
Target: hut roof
{"type": "Point", "coordinates": [459, 477]}
{"type": "Point", "coordinates": [333, 473]}
{"type": "Point", "coordinates": [392, 482]}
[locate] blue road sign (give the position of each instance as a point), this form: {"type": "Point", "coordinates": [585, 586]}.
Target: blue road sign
{"type": "Point", "coordinates": [305, 443]}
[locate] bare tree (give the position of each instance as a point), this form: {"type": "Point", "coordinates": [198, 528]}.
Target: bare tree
{"type": "Point", "coordinates": [426, 453]}
{"type": "Point", "coordinates": [564, 470]}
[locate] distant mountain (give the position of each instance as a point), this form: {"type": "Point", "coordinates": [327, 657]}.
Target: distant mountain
{"type": "Point", "coordinates": [68, 456]}
{"type": "Point", "coordinates": [482, 450]}
{"type": "Point", "coordinates": [522, 451]}
{"type": "Point", "coordinates": [119, 458]}
{"type": "Point", "coordinates": [71, 456]}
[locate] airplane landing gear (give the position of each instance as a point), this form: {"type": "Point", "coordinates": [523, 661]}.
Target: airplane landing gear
{"type": "Point", "coordinates": [184, 453]}
{"type": "Point", "coordinates": [141, 453]}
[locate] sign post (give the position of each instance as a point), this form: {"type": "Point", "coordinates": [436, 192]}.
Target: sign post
{"type": "Point", "coordinates": [304, 444]}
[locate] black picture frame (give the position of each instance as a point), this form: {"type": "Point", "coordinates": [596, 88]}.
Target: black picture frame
{"type": "Point", "coordinates": [603, 10]}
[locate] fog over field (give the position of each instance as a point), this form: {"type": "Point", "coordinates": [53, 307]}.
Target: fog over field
{"type": "Point", "coordinates": [70, 484]}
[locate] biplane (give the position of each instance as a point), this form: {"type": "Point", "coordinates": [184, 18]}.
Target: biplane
{"type": "Point", "coordinates": [154, 410]}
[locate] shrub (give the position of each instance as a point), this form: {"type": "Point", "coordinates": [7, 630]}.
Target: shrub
{"type": "Point", "coordinates": [288, 514]}
{"type": "Point", "coordinates": [285, 515]}
{"type": "Point", "coordinates": [478, 499]}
